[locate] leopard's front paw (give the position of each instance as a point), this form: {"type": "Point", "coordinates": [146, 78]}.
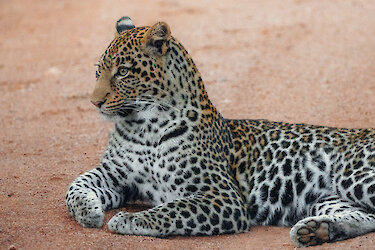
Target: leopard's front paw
{"type": "Point", "coordinates": [131, 223]}
{"type": "Point", "coordinates": [121, 223]}
{"type": "Point", "coordinates": [85, 207]}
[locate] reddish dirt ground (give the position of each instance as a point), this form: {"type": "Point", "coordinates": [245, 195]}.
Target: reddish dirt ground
{"type": "Point", "coordinates": [295, 61]}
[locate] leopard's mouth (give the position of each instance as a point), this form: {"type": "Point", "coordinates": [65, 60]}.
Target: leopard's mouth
{"type": "Point", "coordinates": [117, 114]}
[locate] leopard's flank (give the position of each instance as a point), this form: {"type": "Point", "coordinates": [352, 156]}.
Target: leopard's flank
{"type": "Point", "coordinates": [204, 174]}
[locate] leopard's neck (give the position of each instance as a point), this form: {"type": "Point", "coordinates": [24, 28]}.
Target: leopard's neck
{"type": "Point", "coordinates": [187, 84]}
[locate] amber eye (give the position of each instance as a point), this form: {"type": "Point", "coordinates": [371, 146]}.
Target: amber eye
{"type": "Point", "coordinates": [122, 71]}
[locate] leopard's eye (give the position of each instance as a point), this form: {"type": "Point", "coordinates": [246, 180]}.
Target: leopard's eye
{"type": "Point", "coordinates": [122, 71]}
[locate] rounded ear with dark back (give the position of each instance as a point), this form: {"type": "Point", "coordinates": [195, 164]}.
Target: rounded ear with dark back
{"type": "Point", "coordinates": [123, 24]}
{"type": "Point", "coordinates": [156, 39]}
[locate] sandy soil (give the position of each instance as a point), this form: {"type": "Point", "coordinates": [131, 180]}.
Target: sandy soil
{"type": "Point", "coordinates": [296, 61]}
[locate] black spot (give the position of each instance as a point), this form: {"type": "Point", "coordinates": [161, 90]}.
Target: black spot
{"type": "Point", "coordinates": [275, 218]}
{"type": "Point", "coordinates": [311, 197]}
{"type": "Point", "coordinates": [322, 183]}
{"type": "Point", "coordinates": [207, 181]}
{"type": "Point", "coordinates": [193, 209]}
{"type": "Point", "coordinates": [149, 195]}
{"type": "Point", "coordinates": [114, 179]}
{"type": "Point", "coordinates": [215, 231]}
{"type": "Point", "coordinates": [217, 208]}
{"type": "Point", "coordinates": [264, 192]}
{"type": "Point", "coordinates": [191, 188]}
{"type": "Point", "coordinates": [138, 180]}
{"type": "Point", "coordinates": [309, 174]}
{"type": "Point", "coordinates": [300, 187]}
{"type": "Point", "coordinates": [273, 172]}
{"type": "Point", "coordinates": [193, 160]}
{"type": "Point", "coordinates": [196, 180]}
{"type": "Point", "coordinates": [262, 176]}
{"type": "Point", "coordinates": [262, 216]}
{"type": "Point", "coordinates": [171, 168]}
{"type": "Point", "coordinates": [171, 205]}
{"type": "Point", "coordinates": [172, 214]}
{"type": "Point", "coordinates": [237, 214]}
{"type": "Point", "coordinates": [358, 191]}
{"type": "Point", "coordinates": [122, 173]}
{"type": "Point", "coordinates": [205, 209]}
{"type": "Point", "coordinates": [348, 173]}
{"type": "Point", "coordinates": [242, 167]}
{"type": "Point", "coordinates": [188, 231]}
{"type": "Point", "coordinates": [181, 205]}
{"type": "Point", "coordinates": [175, 133]}
{"type": "Point", "coordinates": [292, 217]}
{"type": "Point", "coordinates": [358, 165]}
{"type": "Point", "coordinates": [191, 224]}
{"type": "Point", "coordinates": [244, 226]}
{"type": "Point", "coordinates": [226, 225]}
{"type": "Point", "coordinates": [253, 211]}
{"type": "Point", "coordinates": [196, 170]}
{"type": "Point", "coordinates": [322, 165]}
{"type": "Point", "coordinates": [166, 177]}
{"type": "Point", "coordinates": [225, 214]}
{"type": "Point", "coordinates": [346, 183]}
{"type": "Point", "coordinates": [357, 178]}
{"type": "Point", "coordinates": [287, 197]}
{"type": "Point", "coordinates": [287, 167]}
{"type": "Point", "coordinates": [205, 228]}
{"type": "Point", "coordinates": [201, 218]}
{"type": "Point", "coordinates": [372, 199]}
{"type": "Point", "coordinates": [185, 214]}
{"type": "Point", "coordinates": [179, 224]}
{"type": "Point", "coordinates": [371, 189]}
{"type": "Point", "coordinates": [274, 193]}
{"type": "Point", "coordinates": [214, 220]}
{"type": "Point", "coordinates": [179, 181]}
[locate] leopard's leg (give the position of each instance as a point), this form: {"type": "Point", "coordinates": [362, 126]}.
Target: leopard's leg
{"type": "Point", "coordinates": [332, 219]}
{"type": "Point", "coordinates": [95, 191]}
{"type": "Point", "coordinates": [193, 215]}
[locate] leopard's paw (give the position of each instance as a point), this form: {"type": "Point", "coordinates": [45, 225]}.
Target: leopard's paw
{"type": "Point", "coordinates": [86, 208]}
{"type": "Point", "coordinates": [310, 231]}
{"type": "Point", "coordinates": [132, 223]}
{"type": "Point", "coordinates": [121, 223]}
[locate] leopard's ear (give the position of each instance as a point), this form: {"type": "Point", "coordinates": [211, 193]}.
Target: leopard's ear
{"type": "Point", "coordinates": [123, 24]}
{"type": "Point", "coordinates": [156, 40]}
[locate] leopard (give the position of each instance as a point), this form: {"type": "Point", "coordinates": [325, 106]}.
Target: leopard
{"type": "Point", "coordinates": [203, 174]}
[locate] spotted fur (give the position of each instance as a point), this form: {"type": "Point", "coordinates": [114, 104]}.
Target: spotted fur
{"type": "Point", "coordinates": [206, 175]}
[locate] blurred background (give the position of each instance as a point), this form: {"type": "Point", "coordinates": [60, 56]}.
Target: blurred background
{"type": "Point", "coordinates": [305, 61]}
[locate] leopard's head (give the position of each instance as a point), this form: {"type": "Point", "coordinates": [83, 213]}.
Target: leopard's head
{"type": "Point", "coordinates": [131, 74]}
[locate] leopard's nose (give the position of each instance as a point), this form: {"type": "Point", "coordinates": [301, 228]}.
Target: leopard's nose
{"type": "Point", "coordinates": [98, 103]}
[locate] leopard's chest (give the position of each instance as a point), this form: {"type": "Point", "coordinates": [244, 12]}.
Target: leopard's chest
{"type": "Point", "coordinates": [156, 166]}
